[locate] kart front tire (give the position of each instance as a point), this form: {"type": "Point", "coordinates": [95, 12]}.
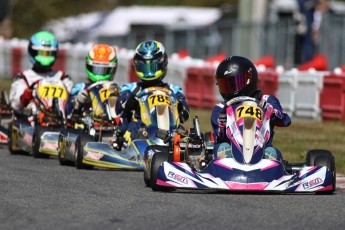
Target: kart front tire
{"type": "Point", "coordinates": [81, 141]}
{"type": "Point", "coordinates": [157, 159]}
{"type": "Point", "coordinates": [319, 157]}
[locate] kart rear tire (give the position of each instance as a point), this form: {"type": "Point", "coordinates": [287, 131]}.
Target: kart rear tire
{"type": "Point", "coordinates": [36, 141]}
{"type": "Point", "coordinates": [10, 140]}
{"type": "Point", "coordinates": [81, 141]}
{"type": "Point", "coordinates": [319, 157]}
{"type": "Point", "coordinates": [157, 159]}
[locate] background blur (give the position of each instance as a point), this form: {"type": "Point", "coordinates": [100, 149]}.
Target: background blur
{"type": "Point", "coordinates": [199, 28]}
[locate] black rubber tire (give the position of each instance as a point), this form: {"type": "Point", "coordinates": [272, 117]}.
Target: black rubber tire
{"type": "Point", "coordinates": [10, 140]}
{"type": "Point", "coordinates": [81, 141]}
{"type": "Point", "coordinates": [320, 157]}
{"type": "Point", "coordinates": [157, 159]}
{"type": "Point", "coordinates": [154, 148]}
{"type": "Point", "coordinates": [36, 141]}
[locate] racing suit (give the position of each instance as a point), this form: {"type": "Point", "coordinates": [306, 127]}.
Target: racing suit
{"type": "Point", "coordinates": [21, 88]}
{"type": "Point", "coordinates": [126, 102]}
{"type": "Point", "coordinates": [71, 108]}
{"type": "Point", "coordinates": [222, 146]}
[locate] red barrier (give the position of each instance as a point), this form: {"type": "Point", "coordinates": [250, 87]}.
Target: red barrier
{"type": "Point", "coordinates": [199, 87]}
{"type": "Point", "coordinates": [17, 56]}
{"type": "Point", "coordinates": [319, 62]}
{"type": "Point", "coordinates": [268, 82]}
{"type": "Point", "coordinates": [267, 61]}
{"type": "Point", "coordinates": [332, 97]}
{"type": "Point", "coordinates": [193, 87]}
{"type": "Point", "coordinates": [60, 63]}
{"type": "Point", "coordinates": [132, 75]}
{"type": "Point", "coordinates": [208, 89]}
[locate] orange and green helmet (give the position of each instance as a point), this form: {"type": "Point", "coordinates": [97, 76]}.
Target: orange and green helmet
{"type": "Point", "coordinates": [101, 63]}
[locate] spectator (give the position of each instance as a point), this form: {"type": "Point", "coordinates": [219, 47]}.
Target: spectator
{"type": "Point", "coordinates": [312, 11]}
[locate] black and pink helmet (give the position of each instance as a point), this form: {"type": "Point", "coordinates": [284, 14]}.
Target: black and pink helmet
{"type": "Point", "coordinates": [236, 76]}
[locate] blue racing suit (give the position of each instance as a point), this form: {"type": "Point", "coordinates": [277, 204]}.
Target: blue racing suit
{"type": "Point", "coordinates": [69, 108]}
{"type": "Point", "coordinates": [222, 142]}
{"type": "Point", "coordinates": [131, 123]}
{"type": "Point", "coordinates": [71, 102]}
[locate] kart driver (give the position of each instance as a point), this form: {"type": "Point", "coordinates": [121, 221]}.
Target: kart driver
{"type": "Point", "coordinates": [150, 63]}
{"type": "Point", "coordinates": [101, 65]}
{"type": "Point", "coordinates": [42, 50]}
{"type": "Point", "coordinates": [237, 76]}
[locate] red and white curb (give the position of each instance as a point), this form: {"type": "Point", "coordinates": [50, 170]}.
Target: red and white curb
{"type": "Point", "coordinates": [340, 181]}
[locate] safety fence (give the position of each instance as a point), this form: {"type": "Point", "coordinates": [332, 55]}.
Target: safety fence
{"type": "Point", "coordinates": [304, 93]}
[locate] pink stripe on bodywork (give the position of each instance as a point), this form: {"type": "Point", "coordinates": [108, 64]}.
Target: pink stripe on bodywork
{"type": "Point", "coordinates": [306, 171]}
{"type": "Point", "coordinates": [242, 186]}
{"type": "Point", "coordinates": [160, 182]}
{"type": "Point", "coordinates": [273, 164]}
{"type": "Point", "coordinates": [218, 162]}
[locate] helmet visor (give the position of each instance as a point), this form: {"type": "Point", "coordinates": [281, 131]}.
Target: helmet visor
{"type": "Point", "coordinates": [101, 68]}
{"type": "Point", "coordinates": [235, 83]}
{"type": "Point", "coordinates": [46, 53]}
{"type": "Point", "coordinates": [148, 67]}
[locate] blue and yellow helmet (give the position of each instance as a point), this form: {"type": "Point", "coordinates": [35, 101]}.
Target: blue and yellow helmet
{"type": "Point", "coordinates": [42, 49]}
{"type": "Point", "coordinates": [150, 61]}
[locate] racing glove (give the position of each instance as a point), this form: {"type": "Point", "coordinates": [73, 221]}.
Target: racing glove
{"type": "Point", "coordinates": [26, 97]}
{"type": "Point", "coordinates": [222, 124]}
{"type": "Point", "coordinates": [81, 98]}
{"type": "Point", "coordinates": [131, 104]}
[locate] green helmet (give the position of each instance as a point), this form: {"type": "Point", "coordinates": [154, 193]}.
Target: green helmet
{"type": "Point", "coordinates": [101, 63]}
{"type": "Point", "coordinates": [42, 49]}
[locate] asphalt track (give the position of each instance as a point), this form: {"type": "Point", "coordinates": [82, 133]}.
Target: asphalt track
{"type": "Point", "coordinates": [41, 194]}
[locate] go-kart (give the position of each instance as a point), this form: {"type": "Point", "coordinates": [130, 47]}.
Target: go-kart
{"type": "Point", "coordinates": [158, 108]}
{"type": "Point", "coordinates": [6, 116]}
{"type": "Point", "coordinates": [246, 169]}
{"type": "Point", "coordinates": [37, 132]}
{"type": "Point", "coordinates": [94, 124]}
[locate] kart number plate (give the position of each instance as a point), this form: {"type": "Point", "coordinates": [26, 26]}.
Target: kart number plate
{"type": "Point", "coordinates": [249, 111]}
{"type": "Point", "coordinates": [160, 99]}
{"type": "Point", "coordinates": [52, 91]}
{"type": "Point", "coordinates": [105, 93]}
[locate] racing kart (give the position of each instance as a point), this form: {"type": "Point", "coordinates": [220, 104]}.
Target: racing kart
{"type": "Point", "coordinates": [248, 128]}
{"type": "Point", "coordinates": [37, 132]}
{"type": "Point", "coordinates": [6, 115]}
{"type": "Point", "coordinates": [158, 109]}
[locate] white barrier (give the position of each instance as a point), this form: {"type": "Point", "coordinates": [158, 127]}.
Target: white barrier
{"type": "Point", "coordinates": [309, 86]}
{"type": "Point", "coordinates": [287, 90]}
